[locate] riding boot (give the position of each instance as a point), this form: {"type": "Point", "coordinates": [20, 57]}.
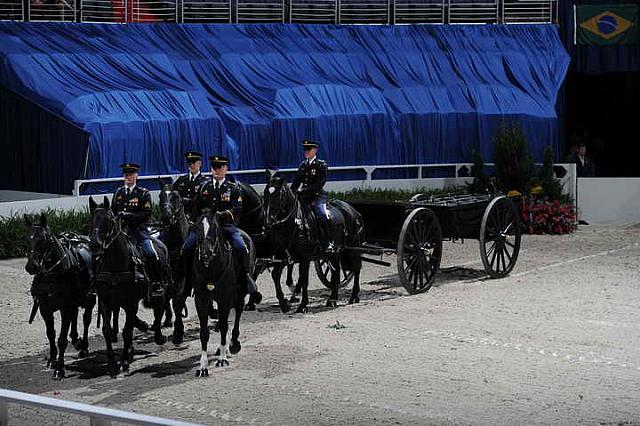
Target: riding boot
{"type": "Point", "coordinates": [252, 288]}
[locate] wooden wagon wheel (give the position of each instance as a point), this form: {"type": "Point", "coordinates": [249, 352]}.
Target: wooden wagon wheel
{"type": "Point", "coordinates": [500, 237]}
{"type": "Point", "coordinates": [419, 250]}
{"type": "Point", "coordinates": [252, 250]}
{"type": "Point", "coordinates": [323, 269]}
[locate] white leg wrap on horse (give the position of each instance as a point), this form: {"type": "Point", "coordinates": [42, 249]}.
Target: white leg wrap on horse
{"type": "Point", "coordinates": [204, 362]}
{"type": "Point", "coordinates": [224, 351]}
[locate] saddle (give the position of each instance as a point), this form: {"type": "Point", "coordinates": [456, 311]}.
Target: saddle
{"type": "Point", "coordinates": [309, 223]}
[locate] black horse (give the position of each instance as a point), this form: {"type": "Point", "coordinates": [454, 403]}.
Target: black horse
{"type": "Point", "coordinates": [216, 276]}
{"type": "Point", "coordinates": [252, 222]}
{"type": "Point", "coordinates": [175, 231]}
{"type": "Point", "coordinates": [119, 281]}
{"type": "Point", "coordinates": [294, 234]}
{"type": "Point", "coordinates": [62, 274]}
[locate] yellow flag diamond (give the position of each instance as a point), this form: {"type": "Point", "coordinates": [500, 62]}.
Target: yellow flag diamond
{"type": "Point", "coordinates": [607, 25]}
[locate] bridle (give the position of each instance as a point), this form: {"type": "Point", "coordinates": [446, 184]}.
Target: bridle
{"type": "Point", "coordinates": [282, 191]}
{"type": "Point", "coordinates": [114, 232]}
{"type": "Point", "coordinates": [174, 213]}
{"type": "Point", "coordinates": [40, 259]}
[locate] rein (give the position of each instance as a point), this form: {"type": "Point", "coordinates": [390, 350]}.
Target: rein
{"type": "Point", "coordinates": [52, 241]}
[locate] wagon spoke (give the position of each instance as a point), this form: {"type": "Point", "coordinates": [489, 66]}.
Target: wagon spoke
{"type": "Point", "coordinates": [493, 258]}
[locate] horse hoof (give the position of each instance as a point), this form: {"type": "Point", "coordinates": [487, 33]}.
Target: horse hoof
{"type": "Point", "coordinates": [302, 310]}
{"type": "Point", "coordinates": [255, 298]}
{"type": "Point", "coordinates": [284, 306]}
{"type": "Point", "coordinates": [142, 326]}
{"type": "Point", "coordinates": [167, 323]}
{"type": "Point", "coordinates": [159, 338]}
{"type": "Point", "coordinates": [177, 338]}
{"type": "Point", "coordinates": [83, 353]}
{"type": "Point", "coordinates": [125, 367]}
{"type": "Point", "coordinates": [235, 347]}
{"type": "Point", "coordinates": [58, 374]}
{"type": "Point", "coordinates": [250, 306]}
{"type": "Point", "coordinates": [202, 373]}
{"type": "Point", "coordinates": [331, 303]}
{"type": "Point", "coordinates": [114, 369]}
{"type": "Point", "coordinates": [222, 363]}
{"type": "Point", "coordinates": [354, 300]}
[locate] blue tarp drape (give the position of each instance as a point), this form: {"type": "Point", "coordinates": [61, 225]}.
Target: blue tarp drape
{"type": "Point", "coordinates": [369, 94]}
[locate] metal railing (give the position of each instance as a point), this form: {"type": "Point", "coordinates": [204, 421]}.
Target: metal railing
{"type": "Point", "coordinates": [287, 11]}
{"type": "Point", "coordinates": [52, 10]}
{"type": "Point", "coordinates": [260, 11]}
{"type": "Point", "coordinates": [206, 11]}
{"type": "Point", "coordinates": [419, 12]}
{"type": "Point", "coordinates": [369, 173]}
{"type": "Point", "coordinates": [99, 416]}
{"type": "Point", "coordinates": [11, 10]}
{"type": "Point", "coordinates": [104, 11]}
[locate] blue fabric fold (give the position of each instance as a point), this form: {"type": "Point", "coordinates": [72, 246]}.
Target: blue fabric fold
{"type": "Point", "coordinates": [369, 94]}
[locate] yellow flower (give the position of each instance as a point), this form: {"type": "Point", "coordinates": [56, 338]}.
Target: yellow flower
{"type": "Point", "coordinates": [536, 190]}
{"type": "Point", "coordinates": [513, 193]}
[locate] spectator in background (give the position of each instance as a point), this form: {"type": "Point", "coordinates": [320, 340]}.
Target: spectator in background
{"type": "Point", "coordinates": [571, 155]}
{"type": "Point", "coordinates": [584, 165]}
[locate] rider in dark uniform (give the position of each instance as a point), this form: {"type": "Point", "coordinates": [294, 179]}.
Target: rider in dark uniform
{"type": "Point", "coordinates": [133, 204]}
{"type": "Point", "coordinates": [188, 186]}
{"type": "Point", "coordinates": [309, 186]}
{"type": "Point", "coordinates": [224, 198]}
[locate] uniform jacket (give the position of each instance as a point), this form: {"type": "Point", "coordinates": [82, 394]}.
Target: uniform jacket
{"type": "Point", "coordinates": [136, 206]}
{"type": "Point", "coordinates": [227, 199]}
{"type": "Point", "coordinates": [188, 190]}
{"type": "Point", "coordinates": [310, 179]}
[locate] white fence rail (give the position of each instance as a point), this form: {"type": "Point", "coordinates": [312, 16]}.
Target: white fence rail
{"type": "Point", "coordinates": [99, 416]}
{"type": "Point", "coordinates": [286, 11]}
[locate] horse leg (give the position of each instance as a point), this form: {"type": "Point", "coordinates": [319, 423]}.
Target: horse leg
{"type": "Point", "coordinates": [73, 333]}
{"type": "Point", "coordinates": [235, 333]}
{"type": "Point", "coordinates": [202, 307]}
{"type": "Point", "coordinates": [158, 311]}
{"type": "Point", "coordinates": [116, 326]}
{"type": "Point", "coordinates": [276, 273]}
{"type": "Point", "coordinates": [47, 316]}
{"type": "Point", "coordinates": [168, 314]}
{"type": "Point", "coordinates": [356, 265]}
{"type": "Point", "coordinates": [86, 322]}
{"type": "Point", "coordinates": [303, 280]}
{"type": "Point", "coordinates": [107, 333]}
{"type": "Point", "coordinates": [178, 301]}
{"type": "Point", "coordinates": [332, 302]}
{"type": "Point", "coordinates": [293, 288]}
{"type": "Point", "coordinates": [67, 314]}
{"type": "Point", "coordinates": [223, 324]}
{"type": "Point", "coordinates": [127, 335]}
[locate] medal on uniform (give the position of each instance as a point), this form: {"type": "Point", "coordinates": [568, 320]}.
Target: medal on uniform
{"type": "Point", "coordinates": [313, 172]}
{"type": "Point", "coordinates": [211, 286]}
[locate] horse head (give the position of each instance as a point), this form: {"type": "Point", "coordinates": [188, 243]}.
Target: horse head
{"type": "Point", "coordinates": [171, 207]}
{"type": "Point", "coordinates": [103, 225]}
{"type": "Point", "coordinates": [276, 199]}
{"type": "Point", "coordinates": [45, 253]}
{"type": "Point", "coordinates": [210, 238]}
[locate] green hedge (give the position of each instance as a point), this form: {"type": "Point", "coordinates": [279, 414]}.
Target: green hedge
{"type": "Point", "coordinates": [14, 232]}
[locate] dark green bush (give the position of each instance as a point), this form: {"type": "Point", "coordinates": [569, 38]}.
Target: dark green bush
{"type": "Point", "coordinates": [513, 164]}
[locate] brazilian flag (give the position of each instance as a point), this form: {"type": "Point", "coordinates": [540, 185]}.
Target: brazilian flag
{"type": "Point", "coordinates": [603, 25]}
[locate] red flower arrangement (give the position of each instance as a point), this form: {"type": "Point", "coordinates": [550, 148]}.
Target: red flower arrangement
{"type": "Point", "coordinates": [540, 215]}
